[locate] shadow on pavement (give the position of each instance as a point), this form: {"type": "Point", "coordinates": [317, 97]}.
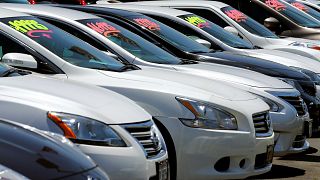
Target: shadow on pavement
{"type": "Point", "coordinates": [307, 156]}
{"type": "Point", "coordinates": [279, 171]}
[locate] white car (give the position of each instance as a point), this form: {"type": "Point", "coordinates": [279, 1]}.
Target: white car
{"type": "Point", "coordinates": [141, 52]}
{"type": "Point", "coordinates": [248, 29]}
{"type": "Point", "coordinates": [195, 120]}
{"type": "Point", "coordinates": [103, 124]}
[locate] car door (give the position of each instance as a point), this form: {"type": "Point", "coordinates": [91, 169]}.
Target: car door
{"type": "Point", "coordinates": [9, 44]}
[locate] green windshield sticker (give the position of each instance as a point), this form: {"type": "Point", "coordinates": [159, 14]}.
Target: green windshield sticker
{"type": "Point", "coordinates": [147, 23]}
{"type": "Point", "coordinates": [197, 21]}
{"type": "Point", "coordinates": [103, 28]}
{"type": "Point", "coordinates": [32, 28]}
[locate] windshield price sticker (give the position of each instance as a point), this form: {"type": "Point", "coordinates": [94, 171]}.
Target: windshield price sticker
{"type": "Point", "coordinates": [32, 28]}
{"type": "Point", "coordinates": [103, 28]}
{"type": "Point", "coordinates": [275, 4]}
{"type": "Point", "coordinates": [197, 21]}
{"type": "Point", "coordinates": [236, 15]}
{"type": "Point", "coordinates": [148, 24]}
{"type": "Point", "coordinates": [300, 6]}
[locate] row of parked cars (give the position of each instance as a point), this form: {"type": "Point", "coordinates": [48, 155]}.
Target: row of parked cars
{"type": "Point", "coordinates": [156, 89]}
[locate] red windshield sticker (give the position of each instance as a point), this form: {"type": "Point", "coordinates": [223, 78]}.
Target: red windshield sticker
{"type": "Point", "coordinates": [275, 4]}
{"type": "Point", "coordinates": [148, 24]}
{"type": "Point", "coordinates": [300, 6]}
{"type": "Point", "coordinates": [32, 28]}
{"type": "Point", "coordinates": [197, 21]}
{"type": "Point", "coordinates": [103, 28]}
{"type": "Point", "coordinates": [236, 15]}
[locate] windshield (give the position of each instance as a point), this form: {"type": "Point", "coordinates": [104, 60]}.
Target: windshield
{"type": "Point", "coordinates": [63, 44]}
{"type": "Point", "coordinates": [172, 36]}
{"type": "Point", "coordinates": [216, 31]}
{"type": "Point", "coordinates": [292, 13]}
{"type": "Point", "coordinates": [248, 23]}
{"type": "Point", "coordinates": [130, 41]}
{"type": "Point", "coordinates": [304, 8]}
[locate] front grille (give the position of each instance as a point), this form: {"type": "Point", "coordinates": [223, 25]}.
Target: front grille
{"type": "Point", "coordinates": [261, 161]}
{"type": "Point", "coordinates": [308, 87]}
{"type": "Point", "coordinates": [297, 102]}
{"type": "Point", "coordinates": [299, 141]}
{"type": "Point", "coordinates": [146, 135]}
{"type": "Point", "coordinates": [261, 122]}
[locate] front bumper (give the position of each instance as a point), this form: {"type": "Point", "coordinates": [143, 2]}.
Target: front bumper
{"type": "Point", "coordinates": [124, 162]}
{"type": "Point", "coordinates": [288, 137]}
{"type": "Point", "coordinates": [217, 154]}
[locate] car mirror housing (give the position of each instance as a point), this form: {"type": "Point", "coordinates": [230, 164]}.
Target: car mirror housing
{"type": "Point", "coordinates": [232, 30]}
{"type": "Point", "coordinates": [20, 60]}
{"type": "Point", "coordinates": [272, 24]}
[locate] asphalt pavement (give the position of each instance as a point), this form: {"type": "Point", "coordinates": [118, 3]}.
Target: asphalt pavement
{"type": "Point", "coordinates": [304, 165]}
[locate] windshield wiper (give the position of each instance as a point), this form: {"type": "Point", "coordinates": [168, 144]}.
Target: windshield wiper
{"type": "Point", "coordinates": [129, 67]}
{"type": "Point", "coordinates": [186, 61]}
{"type": "Point", "coordinates": [8, 72]}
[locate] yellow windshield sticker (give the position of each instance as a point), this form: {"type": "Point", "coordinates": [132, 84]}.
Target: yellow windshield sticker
{"type": "Point", "coordinates": [31, 27]}
{"type": "Point", "coordinates": [197, 21]}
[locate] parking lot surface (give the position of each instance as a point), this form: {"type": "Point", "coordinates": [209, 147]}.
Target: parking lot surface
{"type": "Point", "coordinates": [298, 166]}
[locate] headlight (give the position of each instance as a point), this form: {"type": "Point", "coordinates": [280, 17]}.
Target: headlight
{"type": "Point", "coordinates": [207, 116]}
{"type": "Point", "coordinates": [311, 45]}
{"type": "Point", "coordinates": [312, 75]}
{"type": "Point", "coordinates": [84, 130]}
{"type": "Point", "coordinates": [274, 107]}
{"type": "Point", "coordinates": [6, 173]}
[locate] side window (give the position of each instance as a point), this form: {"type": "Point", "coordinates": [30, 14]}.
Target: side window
{"type": "Point", "coordinates": [207, 14]}
{"type": "Point", "coordinates": [255, 11]}
{"type": "Point", "coordinates": [74, 31]}
{"type": "Point", "coordinates": [8, 45]}
{"type": "Point", "coordinates": [186, 31]}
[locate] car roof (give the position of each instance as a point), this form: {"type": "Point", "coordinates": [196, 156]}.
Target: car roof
{"type": "Point", "coordinates": [98, 9]}
{"type": "Point", "coordinates": [5, 13]}
{"type": "Point", "coordinates": [50, 11]}
{"type": "Point", "coordinates": [147, 9]}
{"type": "Point", "coordinates": [189, 3]}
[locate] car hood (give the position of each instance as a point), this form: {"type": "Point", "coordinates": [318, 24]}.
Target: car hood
{"type": "Point", "coordinates": [256, 64]}
{"type": "Point", "coordinates": [171, 81]}
{"type": "Point", "coordinates": [286, 58]}
{"type": "Point", "coordinates": [233, 75]}
{"type": "Point", "coordinates": [74, 98]}
{"type": "Point", "coordinates": [39, 152]}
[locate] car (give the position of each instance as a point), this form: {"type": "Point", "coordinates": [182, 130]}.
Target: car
{"type": "Point", "coordinates": [99, 121]}
{"type": "Point", "coordinates": [185, 48]}
{"type": "Point", "coordinates": [26, 151]}
{"type": "Point", "coordinates": [280, 17]}
{"type": "Point", "coordinates": [142, 52]}
{"type": "Point", "coordinates": [175, 104]}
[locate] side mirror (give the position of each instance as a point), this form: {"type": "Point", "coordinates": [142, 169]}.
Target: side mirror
{"type": "Point", "coordinates": [204, 42]}
{"type": "Point", "coordinates": [111, 54]}
{"type": "Point", "coordinates": [231, 30]}
{"type": "Point", "coordinates": [20, 60]}
{"type": "Point", "coordinates": [272, 24]}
